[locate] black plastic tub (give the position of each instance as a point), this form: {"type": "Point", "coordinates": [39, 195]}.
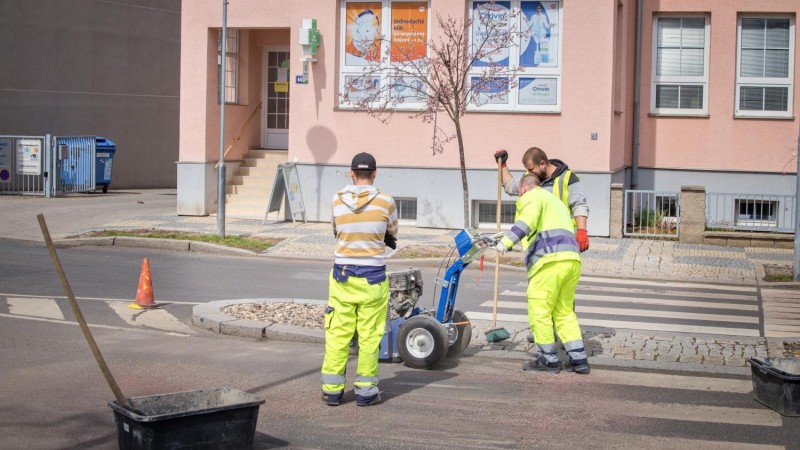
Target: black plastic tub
{"type": "Point", "coordinates": [220, 418]}
{"type": "Point", "coordinates": [776, 388]}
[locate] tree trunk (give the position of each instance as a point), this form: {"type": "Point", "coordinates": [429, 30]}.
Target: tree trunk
{"type": "Point", "coordinates": [464, 185]}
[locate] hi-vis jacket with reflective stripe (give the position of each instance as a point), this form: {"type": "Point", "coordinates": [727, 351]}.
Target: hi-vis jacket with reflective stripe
{"type": "Point", "coordinates": [564, 184]}
{"type": "Point", "coordinates": [544, 227]}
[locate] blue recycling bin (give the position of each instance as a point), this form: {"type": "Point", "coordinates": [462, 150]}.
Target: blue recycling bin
{"type": "Point", "coordinates": [104, 161]}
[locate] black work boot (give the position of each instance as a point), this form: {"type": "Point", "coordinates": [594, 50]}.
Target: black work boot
{"type": "Point", "coordinates": [539, 366]}
{"type": "Point", "coordinates": [369, 401]}
{"type": "Point", "coordinates": [581, 367]}
{"type": "Point", "coordinates": [332, 399]}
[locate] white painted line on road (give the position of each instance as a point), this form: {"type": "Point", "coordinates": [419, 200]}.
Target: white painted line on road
{"type": "Point", "coordinates": [662, 284]}
{"type": "Point", "coordinates": [36, 307]}
{"type": "Point", "coordinates": [683, 382]}
{"type": "Point", "coordinates": [697, 413]}
{"type": "Point", "coordinates": [650, 326]}
{"type": "Point", "coordinates": [788, 293]}
{"type": "Point", "coordinates": [694, 294]}
{"type": "Point", "coordinates": [645, 301]}
{"type": "Point", "coordinates": [439, 385]}
{"type": "Point", "coordinates": [639, 312]}
{"type": "Point", "coordinates": [153, 318]}
{"type": "Point", "coordinates": [100, 299]}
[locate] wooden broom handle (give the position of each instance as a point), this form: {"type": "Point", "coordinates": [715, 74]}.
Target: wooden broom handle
{"type": "Point", "coordinates": [497, 254]}
{"type": "Point", "coordinates": [76, 310]}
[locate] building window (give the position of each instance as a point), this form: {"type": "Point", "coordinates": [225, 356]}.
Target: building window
{"type": "Point", "coordinates": [382, 34]}
{"type": "Point", "coordinates": [680, 65]}
{"type": "Point", "coordinates": [231, 65]}
{"type": "Point", "coordinates": [764, 49]}
{"type": "Point", "coordinates": [756, 213]}
{"type": "Point", "coordinates": [487, 214]}
{"type": "Point", "coordinates": [536, 87]}
{"type": "Point", "coordinates": [406, 209]}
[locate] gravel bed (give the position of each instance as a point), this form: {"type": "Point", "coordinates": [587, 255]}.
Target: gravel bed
{"type": "Point", "coordinates": [297, 314]}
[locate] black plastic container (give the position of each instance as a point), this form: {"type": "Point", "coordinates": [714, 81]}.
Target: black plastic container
{"type": "Point", "coordinates": [775, 388]}
{"type": "Point", "coordinates": [220, 418]}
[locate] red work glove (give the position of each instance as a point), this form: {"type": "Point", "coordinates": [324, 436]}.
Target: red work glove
{"type": "Point", "coordinates": [583, 239]}
{"type": "Point", "coordinates": [501, 156]}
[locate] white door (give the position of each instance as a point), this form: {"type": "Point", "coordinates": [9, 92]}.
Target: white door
{"type": "Point", "coordinates": [275, 109]}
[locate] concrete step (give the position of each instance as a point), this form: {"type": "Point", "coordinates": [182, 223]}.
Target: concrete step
{"type": "Point", "coordinates": [247, 189]}
{"type": "Point", "coordinates": [257, 171]}
{"type": "Point", "coordinates": [240, 180]}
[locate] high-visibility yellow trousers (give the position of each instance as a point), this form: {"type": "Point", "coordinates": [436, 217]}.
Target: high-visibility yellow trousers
{"type": "Point", "coordinates": [354, 305]}
{"type": "Point", "coordinates": [551, 301]}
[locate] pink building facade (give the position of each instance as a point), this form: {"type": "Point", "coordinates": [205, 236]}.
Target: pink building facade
{"type": "Point", "coordinates": [717, 101]}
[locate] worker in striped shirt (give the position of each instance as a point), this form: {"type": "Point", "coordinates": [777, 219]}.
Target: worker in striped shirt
{"type": "Point", "coordinates": [365, 223]}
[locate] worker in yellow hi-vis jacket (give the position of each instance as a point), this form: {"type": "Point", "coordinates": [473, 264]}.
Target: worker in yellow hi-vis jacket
{"type": "Point", "coordinates": [364, 223]}
{"type": "Point", "coordinates": [552, 255]}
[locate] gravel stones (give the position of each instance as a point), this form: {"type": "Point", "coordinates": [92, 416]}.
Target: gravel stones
{"type": "Point", "coordinates": [297, 314]}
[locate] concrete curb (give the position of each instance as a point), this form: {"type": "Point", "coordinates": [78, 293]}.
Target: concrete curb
{"type": "Point", "coordinates": [208, 316]}
{"type": "Point", "coordinates": [156, 244]}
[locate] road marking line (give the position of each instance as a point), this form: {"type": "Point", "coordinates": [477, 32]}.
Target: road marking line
{"type": "Point", "coordinates": [36, 307]}
{"type": "Point", "coordinates": [153, 318]}
{"type": "Point", "coordinates": [650, 326]}
{"type": "Point", "coordinates": [684, 382]}
{"type": "Point", "coordinates": [693, 294]}
{"type": "Point", "coordinates": [98, 299]}
{"type": "Point", "coordinates": [91, 325]}
{"type": "Point", "coordinates": [697, 413]}
{"type": "Point", "coordinates": [662, 284]}
{"type": "Point", "coordinates": [650, 301]}
{"type": "Point", "coordinates": [639, 312]}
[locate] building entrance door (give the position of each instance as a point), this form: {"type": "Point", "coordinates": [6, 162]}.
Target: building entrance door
{"type": "Point", "coordinates": [275, 97]}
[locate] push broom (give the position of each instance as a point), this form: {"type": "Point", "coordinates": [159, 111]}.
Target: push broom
{"type": "Point", "coordinates": [497, 334]}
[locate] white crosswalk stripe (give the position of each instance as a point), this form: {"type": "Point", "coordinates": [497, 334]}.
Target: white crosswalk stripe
{"type": "Point", "coordinates": [660, 306]}
{"type": "Point", "coordinates": [781, 312]}
{"type": "Point", "coordinates": [110, 314]}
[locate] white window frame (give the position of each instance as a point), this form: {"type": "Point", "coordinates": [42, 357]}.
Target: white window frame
{"type": "Point", "coordinates": [492, 205]}
{"type": "Point", "coordinates": [403, 220]}
{"type": "Point", "coordinates": [763, 81]}
{"type": "Point", "coordinates": [553, 73]}
{"type": "Point", "coordinates": [657, 80]}
{"type": "Point", "coordinates": [231, 70]}
{"type": "Point", "coordinates": [346, 71]}
{"type": "Point", "coordinates": [753, 221]}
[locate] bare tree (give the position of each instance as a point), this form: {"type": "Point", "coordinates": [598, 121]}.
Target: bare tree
{"type": "Point", "coordinates": [466, 64]}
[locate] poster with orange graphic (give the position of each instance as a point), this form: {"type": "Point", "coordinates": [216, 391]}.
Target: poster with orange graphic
{"type": "Point", "coordinates": [362, 45]}
{"type": "Point", "coordinates": [409, 31]}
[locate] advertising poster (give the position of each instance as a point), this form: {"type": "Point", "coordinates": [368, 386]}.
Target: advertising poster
{"type": "Point", "coordinates": [490, 19]}
{"type": "Point", "coordinates": [362, 41]}
{"type": "Point", "coordinates": [409, 31]}
{"type": "Point", "coordinates": [491, 92]}
{"type": "Point", "coordinates": [538, 91]}
{"type": "Point", "coordinates": [29, 157]}
{"type": "Point", "coordinates": [539, 46]}
{"type": "Point", "coordinates": [360, 87]}
{"type": "Point", "coordinates": [410, 89]}
{"type": "Point", "coordinates": [6, 160]}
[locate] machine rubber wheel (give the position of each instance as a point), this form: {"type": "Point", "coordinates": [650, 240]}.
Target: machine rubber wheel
{"type": "Point", "coordinates": [422, 342]}
{"type": "Point", "coordinates": [462, 334]}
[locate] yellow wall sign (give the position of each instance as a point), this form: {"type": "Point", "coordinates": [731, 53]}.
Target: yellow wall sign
{"type": "Point", "coordinates": [281, 86]}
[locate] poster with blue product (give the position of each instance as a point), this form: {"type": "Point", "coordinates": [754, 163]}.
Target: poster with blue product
{"type": "Point", "coordinates": [539, 46]}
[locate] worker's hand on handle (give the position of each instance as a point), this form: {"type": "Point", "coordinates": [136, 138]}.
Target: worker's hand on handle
{"type": "Point", "coordinates": [501, 156]}
{"type": "Point", "coordinates": [500, 247]}
{"type": "Point", "coordinates": [583, 239]}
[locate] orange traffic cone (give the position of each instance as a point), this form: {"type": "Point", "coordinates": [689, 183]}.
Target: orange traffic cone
{"type": "Point", "coordinates": [144, 293]}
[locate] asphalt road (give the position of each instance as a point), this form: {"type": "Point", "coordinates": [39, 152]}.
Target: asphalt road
{"type": "Point", "coordinates": [52, 395]}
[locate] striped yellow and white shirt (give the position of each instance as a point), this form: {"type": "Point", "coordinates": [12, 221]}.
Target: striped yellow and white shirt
{"type": "Point", "coordinates": [362, 215]}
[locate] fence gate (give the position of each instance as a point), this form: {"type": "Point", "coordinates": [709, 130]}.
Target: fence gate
{"type": "Point", "coordinates": [651, 214]}
{"type": "Point", "coordinates": [43, 165]}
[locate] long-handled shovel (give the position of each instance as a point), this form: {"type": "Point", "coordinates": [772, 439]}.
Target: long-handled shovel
{"type": "Point", "coordinates": [77, 311]}
{"type": "Point", "coordinates": [496, 334]}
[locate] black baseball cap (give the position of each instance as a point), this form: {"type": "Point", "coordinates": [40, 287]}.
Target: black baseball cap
{"type": "Point", "coordinates": [363, 161]}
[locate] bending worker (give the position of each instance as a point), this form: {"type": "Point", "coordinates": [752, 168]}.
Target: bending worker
{"type": "Point", "coordinates": [364, 223]}
{"type": "Point", "coordinates": [557, 178]}
{"type": "Point", "coordinates": [544, 227]}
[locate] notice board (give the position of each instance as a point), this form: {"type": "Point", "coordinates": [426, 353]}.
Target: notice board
{"type": "Point", "coordinates": [286, 187]}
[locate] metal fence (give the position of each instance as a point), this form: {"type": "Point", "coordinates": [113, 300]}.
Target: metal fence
{"type": "Point", "coordinates": [43, 165]}
{"type": "Point", "coordinates": [750, 212]}
{"type": "Point", "coordinates": [651, 213]}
